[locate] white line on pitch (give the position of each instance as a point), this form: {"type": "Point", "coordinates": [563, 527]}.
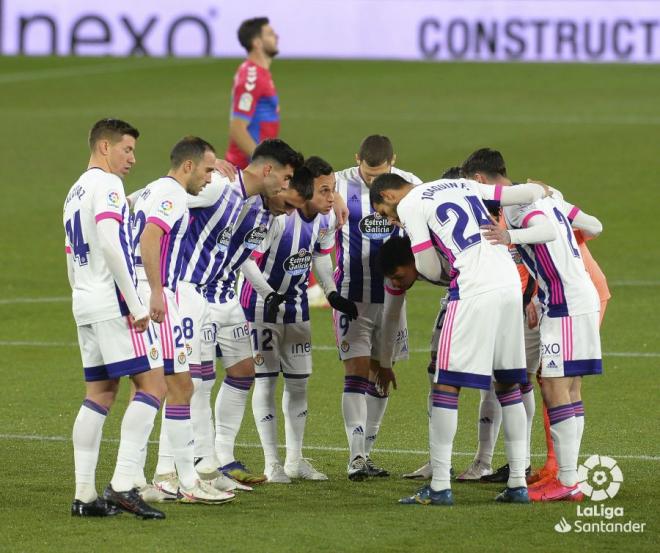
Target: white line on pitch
{"type": "Point", "coordinates": [28, 343]}
{"type": "Point", "coordinates": [31, 437]}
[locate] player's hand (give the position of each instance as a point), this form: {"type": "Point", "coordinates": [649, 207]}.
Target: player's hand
{"type": "Point", "coordinates": [341, 213]}
{"type": "Point", "coordinates": [496, 235]}
{"type": "Point", "coordinates": [531, 315]}
{"type": "Point", "coordinates": [548, 190]}
{"type": "Point", "coordinates": [226, 169]}
{"type": "Point", "coordinates": [384, 378]}
{"type": "Point", "coordinates": [272, 305]}
{"type": "Point", "coordinates": [140, 324]}
{"type": "Point", "coordinates": [157, 307]}
{"type": "Point", "coordinates": [346, 306]}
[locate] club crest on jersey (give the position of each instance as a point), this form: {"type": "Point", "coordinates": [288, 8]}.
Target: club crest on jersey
{"type": "Point", "coordinates": [153, 353]}
{"type": "Point", "coordinates": [182, 358]}
{"type": "Point", "coordinates": [376, 227]}
{"type": "Point", "coordinates": [298, 263]}
{"type": "Point", "coordinates": [322, 233]}
{"type": "Point", "coordinates": [165, 207]}
{"type": "Point", "coordinates": [345, 346]}
{"type": "Point", "coordinates": [113, 200]}
{"type": "Point", "coordinates": [224, 238]}
{"type": "Point", "coordinates": [255, 237]}
{"type": "Point", "coordinates": [258, 359]}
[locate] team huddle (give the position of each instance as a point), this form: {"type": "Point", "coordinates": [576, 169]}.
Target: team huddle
{"type": "Point", "coordinates": [213, 262]}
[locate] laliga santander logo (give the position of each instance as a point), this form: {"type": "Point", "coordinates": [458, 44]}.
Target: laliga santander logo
{"type": "Point", "coordinates": [113, 199]}
{"type": "Point", "coordinates": [599, 477]}
{"type": "Point", "coordinates": [166, 206]}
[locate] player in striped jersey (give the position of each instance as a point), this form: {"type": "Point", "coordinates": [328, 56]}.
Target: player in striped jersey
{"type": "Point", "coordinates": [274, 297]}
{"type": "Point", "coordinates": [570, 340]}
{"type": "Point", "coordinates": [114, 332]}
{"type": "Point", "coordinates": [160, 223]}
{"type": "Point", "coordinates": [213, 251]}
{"type": "Point", "coordinates": [482, 335]}
{"type": "Point", "coordinates": [366, 382]}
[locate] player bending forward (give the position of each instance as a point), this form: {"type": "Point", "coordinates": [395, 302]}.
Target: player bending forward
{"type": "Point", "coordinates": [482, 335]}
{"type": "Point", "coordinates": [274, 297]}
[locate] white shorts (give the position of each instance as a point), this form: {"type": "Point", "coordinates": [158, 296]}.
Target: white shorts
{"type": "Point", "coordinates": [570, 346]}
{"type": "Point", "coordinates": [361, 337]}
{"type": "Point", "coordinates": [171, 333]}
{"type": "Point", "coordinates": [198, 329]}
{"type": "Point", "coordinates": [285, 348]}
{"type": "Point", "coordinates": [482, 338]}
{"type": "Point", "coordinates": [533, 344]}
{"type": "Point", "coordinates": [232, 332]}
{"type": "Point", "coordinates": [111, 349]}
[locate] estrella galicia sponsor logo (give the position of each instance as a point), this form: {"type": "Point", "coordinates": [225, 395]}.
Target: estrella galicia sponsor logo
{"type": "Point", "coordinates": [255, 237]}
{"type": "Point", "coordinates": [224, 238]}
{"type": "Point", "coordinates": [375, 227]}
{"type": "Point", "coordinates": [298, 263]}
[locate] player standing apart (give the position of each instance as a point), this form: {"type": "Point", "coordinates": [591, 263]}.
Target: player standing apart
{"type": "Point", "coordinates": [115, 335]}
{"type": "Point", "coordinates": [482, 334]}
{"type": "Point", "coordinates": [367, 379]}
{"type": "Point", "coordinates": [161, 220]}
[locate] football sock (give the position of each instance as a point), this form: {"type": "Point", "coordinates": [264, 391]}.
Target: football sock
{"type": "Point", "coordinates": [136, 426]}
{"type": "Point", "coordinates": [265, 416]}
{"type": "Point", "coordinates": [165, 463]}
{"type": "Point", "coordinates": [182, 442]}
{"type": "Point", "coordinates": [514, 423]}
{"type": "Point", "coordinates": [376, 406]}
{"type": "Point", "coordinates": [490, 419]}
{"type": "Point", "coordinates": [578, 409]}
{"type": "Point", "coordinates": [294, 407]}
{"type": "Point", "coordinates": [202, 417]}
{"type": "Point", "coordinates": [444, 419]}
{"type": "Point", "coordinates": [564, 435]}
{"type": "Point", "coordinates": [87, 431]}
{"type": "Point", "coordinates": [354, 409]}
{"type": "Point", "coordinates": [529, 402]}
{"type": "Point", "coordinates": [140, 479]}
{"type": "Point", "coordinates": [229, 410]}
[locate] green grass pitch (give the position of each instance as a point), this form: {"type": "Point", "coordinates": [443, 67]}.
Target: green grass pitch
{"type": "Point", "coordinates": [592, 131]}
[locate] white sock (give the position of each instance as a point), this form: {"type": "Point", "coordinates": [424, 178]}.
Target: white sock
{"type": "Point", "coordinates": [165, 464]}
{"type": "Point", "coordinates": [294, 407]}
{"type": "Point", "coordinates": [444, 420]}
{"type": "Point", "coordinates": [529, 402]}
{"type": "Point", "coordinates": [265, 416]}
{"type": "Point", "coordinates": [201, 416]}
{"type": "Point", "coordinates": [140, 478]}
{"type": "Point", "coordinates": [563, 429]}
{"type": "Point", "coordinates": [578, 409]}
{"type": "Point", "coordinates": [136, 426]}
{"type": "Point", "coordinates": [182, 443]}
{"type": "Point", "coordinates": [376, 406]}
{"type": "Point", "coordinates": [87, 432]}
{"type": "Point", "coordinates": [354, 409]}
{"type": "Point", "coordinates": [490, 418]}
{"type": "Point", "coordinates": [515, 437]}
{"type": "Point", "coordinates": [229, 410]}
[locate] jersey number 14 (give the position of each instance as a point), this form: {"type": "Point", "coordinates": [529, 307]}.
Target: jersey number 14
{"type": "Point", "coordinates": [77, 242]}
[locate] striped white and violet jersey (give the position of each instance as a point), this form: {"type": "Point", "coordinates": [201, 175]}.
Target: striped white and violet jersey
{"type": "Point", "coordinates": [447, 214]}
{"type": "Point", "coordinates": [250, 229]}
{"type": "Point", "coordinates": [163, 203]}
{"type": "Point", "coordinates": [285, 259]}
{"type": "Point", "coordinates": [95, 196]}
{"type": "Point", "coordinates": [360, 239]}
{"type": "Point", "coordinates": [564, 286]}
{"type": "Point", "coordinates": [213, 214]}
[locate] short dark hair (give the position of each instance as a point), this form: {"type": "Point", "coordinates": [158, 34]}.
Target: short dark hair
{"type": "Point", "coordinates": [112, 130]}
{"type": "Point", "coordinates": [251, 29]}
{"type": "Point", "coordinates": [386, 181]}
{"type": "Point", "coordinates": [279, 151]}
{"type": "Point", "coordinates": [189, 147]}
{"type": "Point", "coordinates": [375, 150]}
{"type": "Point", "coordinates": [303, 182]}
{"type": "Point", "coordinates": [396, 252]}
{"type": "Point", "coordinates": [452, 173]}
{"type": "Point", "coordinates": [318, 166]}
{"type": "Point", "coordinates": [485, 160]}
